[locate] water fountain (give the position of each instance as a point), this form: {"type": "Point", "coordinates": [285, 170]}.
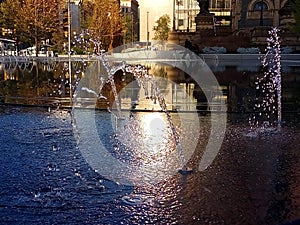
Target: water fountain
{"type": "Point", "coordinates": [144, 80]}
{"type": "Point", "coordinates": [46, 178]}
{"type": "Point", "coordinates": [104, 72]}
{"type": "Point", "coordinates": [268, 86]}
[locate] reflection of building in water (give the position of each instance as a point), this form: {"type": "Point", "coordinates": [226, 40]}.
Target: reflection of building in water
{"type": "Point", "coordinates": [238, 87]}
{"type": "Point", "coordinates": [179, 89]}
{"type": "Point", "coordinates": [7, 47]}
{"type": "Point", "coordinates": [201, 99]}
{"type": "Point", "coordinates": [177, 94]}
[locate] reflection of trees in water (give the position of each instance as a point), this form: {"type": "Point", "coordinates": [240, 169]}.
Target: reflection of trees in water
{"type": "Point", "coordinates": [28, 78]}
{"type": "Point", "coordinates": [23, 79]}
{"type": "Point", "coordinates": [159, 71]}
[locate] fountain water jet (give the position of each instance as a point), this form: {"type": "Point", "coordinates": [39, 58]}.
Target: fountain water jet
{"type": "Point", "coordinates": [143, 78]}
{"type": "Point", "coordinates": [175, 156]}
{"type": "Point", "coordinates": [268, 86]}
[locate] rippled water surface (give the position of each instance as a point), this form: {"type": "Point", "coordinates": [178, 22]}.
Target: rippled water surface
{"type": "Point", "coordinates": [44, 179]}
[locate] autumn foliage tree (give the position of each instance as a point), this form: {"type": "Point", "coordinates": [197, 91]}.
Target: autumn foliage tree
{"type": "Point", "coordinates": [104, 20]}
{"type": "Point", "coordinates": [130, 34]}
{"type": "Point", "coordinates": [38, 21]}
{"type": "Point", "coordinates": [8, 11]}
{"type": "Point", "coordinates": [32, 21]}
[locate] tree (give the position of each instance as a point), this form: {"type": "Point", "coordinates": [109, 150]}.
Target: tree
{"type": "Point", "coordinates": [129, 29]}
{"type": "Point", "coordinates": [104, 20]}
{"type": "Point", "coordinates": [8, 11]}
{"type": "Point", "coordinates": [32, 21]}
{"type": "Point", "coordinates": [38, 20]}
{"type": "Point", "coordinates": [163, 28]}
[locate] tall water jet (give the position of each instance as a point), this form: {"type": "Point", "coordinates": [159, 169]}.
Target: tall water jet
{"type": "Point", "coordinates": [274, 64]}
{"type": "Point", "coordinates": [268, 86]}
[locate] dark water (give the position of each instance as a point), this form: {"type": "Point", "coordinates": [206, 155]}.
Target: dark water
{"type": "Point", "coordinates": [45, 180]}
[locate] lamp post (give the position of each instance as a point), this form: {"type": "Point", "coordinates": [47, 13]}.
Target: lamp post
{"type": "Point", "coordinates": [36, 30]}
{"type": "Point", "coordinates": [147, 29]}
{"type": "Point", "coordinates": [69, 50]}
{"type": "Point", "coordinates": [174, 18]}
{"type": "Point", "coordinates": [188, 16]}
{"type": "Point", "coordinates": [261, 20]}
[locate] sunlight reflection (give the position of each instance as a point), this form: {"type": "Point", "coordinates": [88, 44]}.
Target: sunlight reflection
{"type": "Point", "coordinates": [155, 128]}
{"type": "Point", "coordinates": [147, 140]}
{"type": "Point", "coordinates": [156, 135]}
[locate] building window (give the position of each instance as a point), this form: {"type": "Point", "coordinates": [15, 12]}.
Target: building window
{"type": "Point", "coordinates": [228, 4]}
{"type": "Point", "coordinates": [220, 4]}
{"type": "Point", "coordinates": [180, 22]}
{"type": "Point", "coordinates": [185, 13]}
{"type": "Point", "coordinates": [222, 11]}
{"type": "Point", "coordinates": [260, 6]}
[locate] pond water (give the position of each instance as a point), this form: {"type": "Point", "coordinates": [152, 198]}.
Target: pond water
{"type": "Point", "coordinates": [46, 179]}
{"type": "Point", "coordinates": [46, 82]}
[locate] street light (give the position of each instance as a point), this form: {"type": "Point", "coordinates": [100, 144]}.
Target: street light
{"type": "Point", "coordinates": [188, 16]}
{"type": "Point", "coordinates": [261, 21]}
{"type": "Point", "coordinates": [147, 29]}
{"type": "Point", "coordinates": [69, 50]}
{"type": "Point", "coordinates": [174, 18]}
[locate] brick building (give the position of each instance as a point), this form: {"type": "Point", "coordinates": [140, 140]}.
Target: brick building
{"type": "Point", "coordinates": [236, 23]}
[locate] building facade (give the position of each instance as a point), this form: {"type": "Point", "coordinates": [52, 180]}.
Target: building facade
{"type": "Point", "coordinates": [185, 12]}
{"type": "Point", "coordinates": [236, 23]}
{"type": "Point", "coordinates": [255, 13]}
{"type": "Point", "coordinates": [237, 14]}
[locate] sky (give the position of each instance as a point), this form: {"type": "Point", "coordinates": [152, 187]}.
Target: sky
{"type": "Point", "coordinates": [156, 9]}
